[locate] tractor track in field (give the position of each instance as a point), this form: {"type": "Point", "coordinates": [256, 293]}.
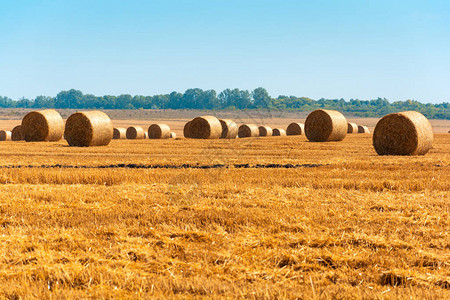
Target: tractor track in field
{"type": "Point", "coordinates": [158, 166]}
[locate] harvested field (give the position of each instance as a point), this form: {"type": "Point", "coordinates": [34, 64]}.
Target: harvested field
{"type": "Point", "coordinates": [273, 217]}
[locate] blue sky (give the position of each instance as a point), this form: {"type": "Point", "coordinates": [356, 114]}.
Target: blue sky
{"type": "Point", "coordinates": [332, 49]}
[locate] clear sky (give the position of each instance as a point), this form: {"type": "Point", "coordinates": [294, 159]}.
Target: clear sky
{"type": "Point", "coordinates": [333, 49]}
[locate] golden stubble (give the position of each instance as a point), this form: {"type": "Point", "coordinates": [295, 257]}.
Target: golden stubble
{"type": "Point", "coordinates": [357, 225]}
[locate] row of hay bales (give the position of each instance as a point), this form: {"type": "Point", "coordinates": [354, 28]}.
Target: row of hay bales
{"type": "Point", "coordinates": [14, 135]}
{"type": "Point", "coordinates": [83, 129]}
{"type": "Point", "coordinates": [354, 128]}
{"type": "Point", "coordinates": [210, 127]}
{"type": "Point", "coordinates": [405, 133]}
{"type": "Point", "coordinates": [155, 131]}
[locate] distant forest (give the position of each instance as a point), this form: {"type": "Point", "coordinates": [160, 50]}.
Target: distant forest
{"type": "Point", "coordinates": [227, 99]}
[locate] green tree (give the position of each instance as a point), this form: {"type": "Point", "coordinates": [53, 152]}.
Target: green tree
{"type": "Point", "coordinates": [261, 98]}
{"type": "Point", "coordinates": [44, 102]}
{"type": "Point", "coordinates": [124, 101]}
{"type": "Point", "coordinates": [69, 99]}
{"type": "Point", "coordinates": [175, 100]}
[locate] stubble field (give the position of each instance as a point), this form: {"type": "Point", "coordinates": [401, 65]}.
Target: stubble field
{"type": "Point", "coordinates": [275, 217]}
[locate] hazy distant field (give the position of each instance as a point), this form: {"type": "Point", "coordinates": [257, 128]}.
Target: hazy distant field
{"type": "Point", "coordinates": [343, 223]}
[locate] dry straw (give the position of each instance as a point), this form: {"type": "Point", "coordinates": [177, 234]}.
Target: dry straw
{"type": "Point", "coordinates": [40, 126]}
{"type": "Point", "coordinates": [135, 133]}
{"type": "Point", "coordinates": [159, 131]}
{"type": "Point", "coordinates": [88, 128]}
{"type": "Point", "coordinates": [325, 126]}
{"type": "Point", "coordinates": [229, 129]}
{"type": "Point", "coordinates": [205, 127]}
{"type": "Point", "coordinates": [173, 135]}
{"type": "Point", "coordinates": [352, 128]}
{"type": "Point", "coordinates": [16, 133]}
{"type": "Point", "coordinates": [5, 135]}
{"type": "Point", "coordinates": [248, 130]}
{"type": "Point", "coordinates": [145, 135]}
{"type": "Point", "coordinates": [405, 133]}
{"type": "Point", "coordinates": [265, 131]}
{"type": "Point", "coordinates": [186, 130]}
{"type": "Point", "coordinates": [295, 129]}
{"type": "Point", "coordinates": [119, 133]}
{"type": "Point", "coordinates": [279, 132]}
{"type": "Point", "coordinates": [363, 129]}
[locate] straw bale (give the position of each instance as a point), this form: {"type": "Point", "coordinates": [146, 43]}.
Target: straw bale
{"type": "Point", "coordinates": [42, 126]}
{"type": "Point", "coordinates": [88, 128]}
{"type": "Point", "coordinates": [135, 133]}
{"type": "Point", "coordinates": [159, 131]}
{"type": "Point", "coordinates": [265, 131]}
{"type": "Point", "coordinates": [5, 135]}
{"type": "Point", "coordinates": [404, 133]}
{"type": "Point", "coordinates": [325, 126]}
{"type": "Point", "coordinates": [279, 132]}
{"type": "Point", "coordinates": [352, 128]}
{"type": "Point", "coordinates": [16, 133]}
{"type": "Point", "coordinates": [295, 129]}
{"type": "Point", "coordinates": [119, 133]}
{"type": "Point", "coordinates": [248, 130]}
{"type": "Point", "coordinates": [205, 127]}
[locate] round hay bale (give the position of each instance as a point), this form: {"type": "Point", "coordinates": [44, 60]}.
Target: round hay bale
{"type": "Point", "coordinates": [135, 133]}
{"type": "Point", "coordinates": [88, 128]}
{"type": "Point", "coordinates": [248, 130]}
{"type": "Point", "coordinates": [159, 131]}
{"type": "Point", "coordinates": [5, 135]}
{"type": "Point", "coordinates": [229, 129]}
{"type": "Point", "coordinates": [42, 126]}
{"type": "Point", "coordinates": [119, 133]}
{"type": "Point", "coordinates": [279, 132]}
{"type": "Point", "coordinates": [265, 131]}
{"type": "Point", "coordinates": [173, 135]}
{"type": "Point", "coordinates": [352, 128]}
{"type": "Point", "coordinates": [146, 135]}
{"type": "Point", "coordinates": [325, 126]}
{"type": "Point", "coordinates": [295, 129]}
{"type": "Point", "coordinates": [16, 133]}
{"type": "Point", "coordinates": [404, 133]}
{"type": "Point", "coordinates": [186, 130]}
{"type": "Point", "coordinates": [363, 129]}
{"type": "Point", "coordinates": [205, 127]}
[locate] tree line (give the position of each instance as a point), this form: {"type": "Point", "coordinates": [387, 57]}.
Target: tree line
{"type": "Point", "coordinates": [197, 98]}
